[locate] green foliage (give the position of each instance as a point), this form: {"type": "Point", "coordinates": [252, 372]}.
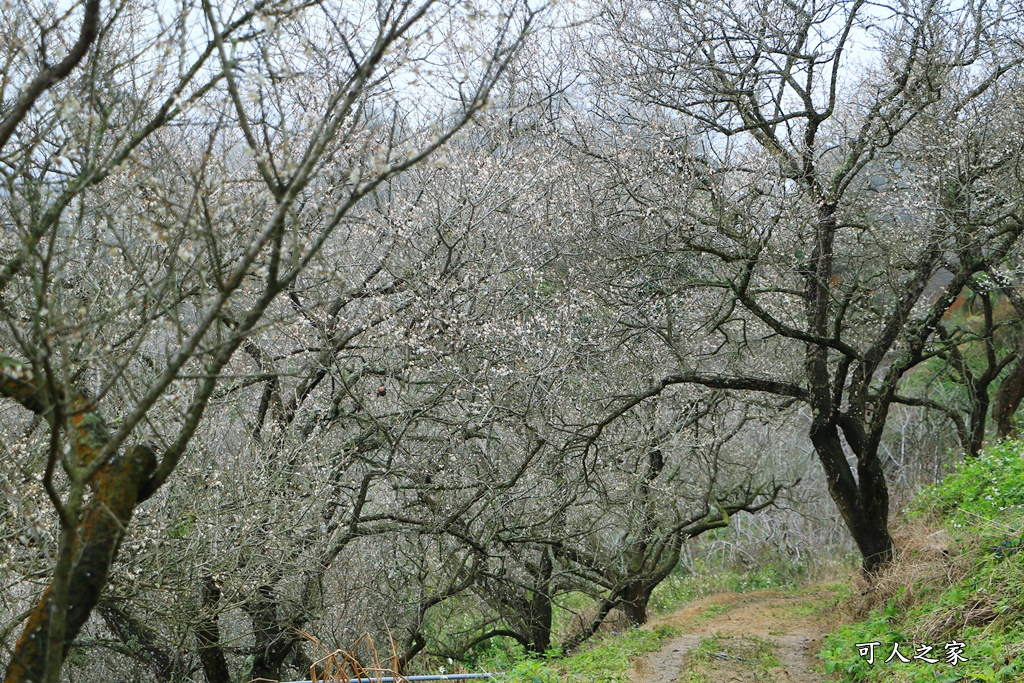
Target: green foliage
{"type": "Point", "coordinates": [184, 526]}
{"type": "Point", "coordinates": [976, 597]}
{"type": "Point", "coordinates": [605, 661]}
{"type": "Point", "coordinates": [992, 654]}
{"type": "Point", "coordinates": [841, 654]}
{"type": "Point", "coordinates": [686, 586]}
{"type": "Point", "coordinates": [988, 485]}
{"type": "Point", "coordinates": [837, 592]}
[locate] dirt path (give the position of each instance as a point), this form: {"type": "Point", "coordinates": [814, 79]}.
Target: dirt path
{"type": "Point", "coordinates": [765, 637]}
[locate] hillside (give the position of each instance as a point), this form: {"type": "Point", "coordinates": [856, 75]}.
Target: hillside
{"type": "Point", "coordinates": [959, 580]}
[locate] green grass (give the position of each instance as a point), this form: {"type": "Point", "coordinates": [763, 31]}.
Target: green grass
{"type": "Point", "coordinates": [975, 597]}
{"type": "Point", "coordinates": [606, 660]}
{"type": "Point", "coordinates": [837, 593]}
{"type": "Point", "coordinates": [980, 488]}
{"type": "Point", "coordinates": [712, 611]}
{"type": "Point", "coordinates": [686, 586]}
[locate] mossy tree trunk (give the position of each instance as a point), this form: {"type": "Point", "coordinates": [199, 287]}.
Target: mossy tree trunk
{"type": "Point", "coordinates": [90, 539]}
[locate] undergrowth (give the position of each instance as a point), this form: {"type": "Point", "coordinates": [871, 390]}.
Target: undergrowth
{"type": "Point", "coordinates": [688, 585]}
{"type": "Point", "coordinates": [959, 580]}
{"type": "Point", "coordinates": [605, 659]}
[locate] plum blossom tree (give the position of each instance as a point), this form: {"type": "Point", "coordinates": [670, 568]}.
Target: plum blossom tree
{"type": "Point", "coordinates": [165, 185]}
{"type": "Point", "coordinates": [830, 212]}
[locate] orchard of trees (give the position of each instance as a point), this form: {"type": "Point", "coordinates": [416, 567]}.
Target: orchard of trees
{"type": "Point", "coordinates": [432, 318]}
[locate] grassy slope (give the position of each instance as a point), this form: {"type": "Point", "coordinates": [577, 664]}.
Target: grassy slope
{"type": "Point", "coordinates": [960, 578]}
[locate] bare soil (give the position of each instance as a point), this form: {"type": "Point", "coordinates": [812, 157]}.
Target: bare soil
{"type": "Point", "coordinates": [792, 624]}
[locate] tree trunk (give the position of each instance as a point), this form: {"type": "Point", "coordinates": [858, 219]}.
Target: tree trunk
{"type": "Point", "coordinates": [273, 642]}
{"type": "Point", "coordinates": [863, 504]}
{"type": "Point", "coordinates": [167, 665]}
{"type": "Point", "coordinates": [634, 602]}
{"type": "Point", "coordinates": [979, 418]}
{"type": "Point", "coordinates": [116, 488]}
{"type": "Point", "coordinates": [1008, 399]}
{"type": "Point", "coordinates": [211, 655]}
{"type": "Point", "coordinates": [538, 621]}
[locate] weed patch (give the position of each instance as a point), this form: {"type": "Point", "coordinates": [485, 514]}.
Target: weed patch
{"type": "Point", "coordinates": [719, 655]}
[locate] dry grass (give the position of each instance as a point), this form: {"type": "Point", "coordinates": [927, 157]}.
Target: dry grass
{"type": "Point", "coordinates": [927, 558]}
{"type": "Point", "coordinates": [928, 561]}
{"type": "Point", "coordinates": [340, 666]}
